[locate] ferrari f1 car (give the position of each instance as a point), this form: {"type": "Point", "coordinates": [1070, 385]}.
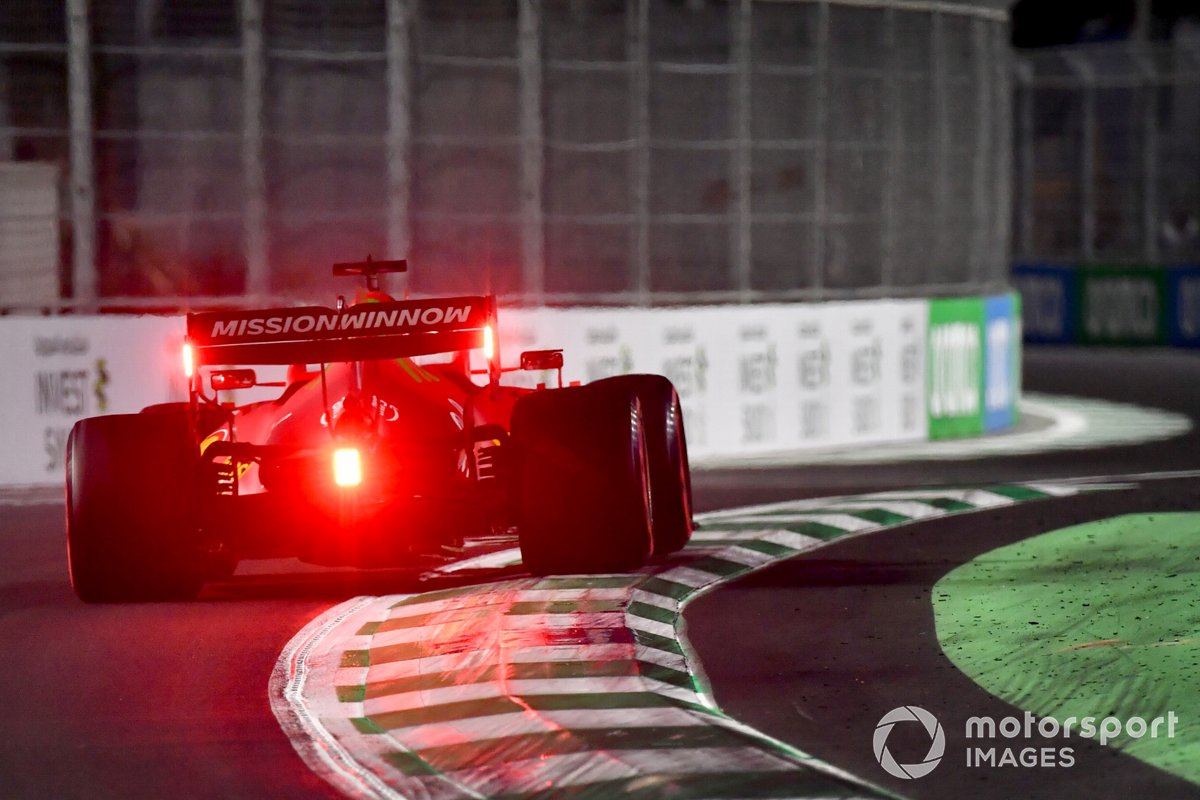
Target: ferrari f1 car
{"type": "Point", "coordinates": [372, 454]}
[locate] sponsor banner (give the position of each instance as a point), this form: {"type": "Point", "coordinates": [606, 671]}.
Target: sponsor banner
{"type": "Point", "coordinates": [904, 324]}
{"type": "Point", "coordinates": [756, 358]}
{"type": "Point", "coordinates": [212, 328]}
{"type": "Point", "coordinates": [1110, 304]}
{"type": "Point", "coordinates": [1049, 295]}
{"type": "Point", "coordinates": [597, 344]}
{"type": "Point", "coordinates": [752, 380]}
{"type": "Point", "coordinates": [955, 372]}
{"type": "Point", "coordinates": [1122, 305]}
{"type": "Point", "coordinates": [809, 355]}
{"type": "Point", "coordinates": [854, 373]}
{"type": "Point", "coordinates": [1002, 360]}
{"type": "Point", "coordinates": [850, 372]}
{"type": "Point", "coordinates": [59, 370]}
{"type": "Point", "coordinates": [681, 344]}
{"type": "Point", "coordinates": [875, 390]}
{"type": "Point", "coordinates": [1183, 306]}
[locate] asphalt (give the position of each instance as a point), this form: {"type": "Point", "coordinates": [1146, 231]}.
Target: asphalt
{"type": "Point", "coordinates": [815, 650]}
{"type": "Point", "coordinates": [149, 701]}
{"type": "Point", "coordinates": [170, 700]}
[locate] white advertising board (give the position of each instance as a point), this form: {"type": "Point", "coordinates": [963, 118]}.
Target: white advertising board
{"type": "Point", "coordinates": [752, 379]}
{"type": "Point", "coordinates": [61, 369]}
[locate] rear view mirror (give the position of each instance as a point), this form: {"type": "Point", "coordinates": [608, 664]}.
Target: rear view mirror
{"type": "Point", "coordinates": [541, 359]}
{"type": "Point", "coordinates": [233, 379]}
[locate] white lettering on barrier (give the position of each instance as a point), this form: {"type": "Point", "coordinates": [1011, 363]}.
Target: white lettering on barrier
{"type": "Point", "coordinates": [1188, 307]}
{"type": "Point", "coordinates": [61, 369]}
{"type": "Point", "coordinates": [1044, 305]}
{"type": "Point", "coordinates": [1122, 308]}
{"type": "Point", "coordinates": [751, 379]}
{"type": "Point", "coordinates": [912, 411]}
{"type": "Point", "coordinates": [999, 379]}
{"type": "Point", "coordinates": [866, 357]}
{"type": "Point", "coordinates": [757, 362]}
{"type": "Point", "coordinates": [904, 370]}
{"type": "Point", "coordinates": [814, 369]}
{"type": "Point", "coordinates": [954, 373]}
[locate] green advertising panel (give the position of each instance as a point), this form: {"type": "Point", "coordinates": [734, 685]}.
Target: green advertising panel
{"type": "Point", "coordinates": [954, 367]}
{"type": "Point", "coordinates": [1122, 305]}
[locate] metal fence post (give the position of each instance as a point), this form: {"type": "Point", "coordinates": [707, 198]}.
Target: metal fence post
{"type": "Point", "coordinates": [742, 241]}
{"type": "Point", "coordinates": [638, 47]}
{"type": "Point", "coordinates": [1025, 133]}
{"type": "Point", "coordinates": [981, 155]}
{"type": "Point", "coordinates": [399, 134]}
{"type": "Point", "coordinates": [821, 147]}
{"type": "Point", "coordinates": [941, 145]}
{"type": "Point", "coordinates": [83, 176]}
{"type": "Point", "coordinates": [533, 156]}
{"type": "Point", "coordinates": [254, 214]}
{"type": "Point", "coordinates": [1087, 162]}
{"type": "Point", "coordinates": [1150, 146]}
{"type": "Point", "coordinates": [893, 136]}
{"type": "Point", "coordinates": [1002, 123]}
{"type": "Point", "coordinates": [6, 139]}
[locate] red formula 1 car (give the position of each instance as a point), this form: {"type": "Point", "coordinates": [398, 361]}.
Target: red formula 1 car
{"type": "Point", "coordinates": [371, 457]}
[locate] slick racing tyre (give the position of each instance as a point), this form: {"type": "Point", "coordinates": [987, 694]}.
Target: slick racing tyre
{"type": "Point", "coordinates": [208, 417]}
{"type": "Point", "coordinates": [582, 481]}
{"type": "Point", "coordinates": [670, 476]}
{"type": "Point", "coordinates": [130, 530]}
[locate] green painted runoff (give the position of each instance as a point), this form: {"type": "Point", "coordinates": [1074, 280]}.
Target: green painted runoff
{"type": "Point", "coordinates": [1093, 620]}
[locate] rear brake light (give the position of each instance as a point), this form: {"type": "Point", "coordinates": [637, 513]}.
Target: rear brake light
{"type": "Point", "coordinates": [189, 360]}
{"type": "Point", "coordinates": [489, 343]}
{"type": "Point", "coordinates": [347, 466]}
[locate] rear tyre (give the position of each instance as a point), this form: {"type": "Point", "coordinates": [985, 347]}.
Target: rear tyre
{"type": "Point", "coordinates": [131, 533]}
{"type": "Point", "coordinates": [670, 475]}
{"type": "Point", "coordinates": [208, 417]}
{"type": "Point", "coordinates": [582, 482]}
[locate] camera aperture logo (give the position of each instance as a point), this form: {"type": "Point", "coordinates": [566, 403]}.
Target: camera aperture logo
{"type": "Point", "coordinates": [937, 742]}
{"type": "Point", "coordinates": [1025, 741]}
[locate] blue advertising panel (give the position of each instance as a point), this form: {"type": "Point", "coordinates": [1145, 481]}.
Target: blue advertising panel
{"type": "Point", "coordinates": [1001, 360]}
{"type": "Point", "coordinates": [1049, 301]}
{"type": "Point", "coordinates": [1183, 306]}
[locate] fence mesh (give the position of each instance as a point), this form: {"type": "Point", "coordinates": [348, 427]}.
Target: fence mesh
{"type": "Point", "coordinates": [633, 151]}
{"type": "Point", "coordinates": [1107, 153]}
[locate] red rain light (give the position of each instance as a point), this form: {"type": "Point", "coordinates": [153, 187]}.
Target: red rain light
{"type": "Point", "coordinates": [489, 343]}
{"type": "Point", "coordinates": [347, 467]}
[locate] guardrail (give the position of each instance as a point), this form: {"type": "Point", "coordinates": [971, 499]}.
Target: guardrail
{"type": "Point", "coordinates": [752, 379]}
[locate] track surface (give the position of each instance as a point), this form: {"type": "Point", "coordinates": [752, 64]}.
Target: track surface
{"type": "Point", "coordinates": [170, 700]}
{"type": "Point", "coordinates": [842, 635]}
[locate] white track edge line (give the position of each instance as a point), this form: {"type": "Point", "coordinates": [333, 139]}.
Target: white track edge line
{"type": "Point", "coordinates": [319, 749]}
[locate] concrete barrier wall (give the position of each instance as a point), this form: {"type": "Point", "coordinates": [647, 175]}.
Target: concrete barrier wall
{"type": "Point", "coordinates": [57, 370]}
{"type": "Point", "coordinates": [753, 379]}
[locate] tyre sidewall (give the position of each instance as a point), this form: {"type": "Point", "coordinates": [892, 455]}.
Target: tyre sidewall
{"type": "Point", "coordinates": [582, 483]}
{"type": "Point", "coordinates": [670, 475]}
{"type": "Point", "coordinates": [130, 508]}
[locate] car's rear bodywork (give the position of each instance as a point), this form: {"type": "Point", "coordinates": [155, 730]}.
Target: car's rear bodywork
{"type": "Point", "coordinates": [425, 434]}
{"type": "Point", "coordinates": [371, 454]}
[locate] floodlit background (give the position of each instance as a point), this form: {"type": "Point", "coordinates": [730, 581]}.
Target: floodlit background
{"type": "Point", "coordinates": [589, 151]}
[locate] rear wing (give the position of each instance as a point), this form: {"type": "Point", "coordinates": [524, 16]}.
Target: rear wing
{"type": "Point", "coordinates": [316, 334]}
